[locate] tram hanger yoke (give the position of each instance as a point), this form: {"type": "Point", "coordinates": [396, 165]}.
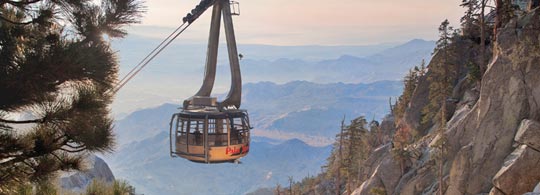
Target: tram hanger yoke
{"type": "Point", "coordinates": [202, 97]}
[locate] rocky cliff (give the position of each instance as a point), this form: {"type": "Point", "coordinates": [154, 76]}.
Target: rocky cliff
{"type": "Point", "coordinates": [95, 168]}
{"type": "Point", "coordinates": [492, 140]}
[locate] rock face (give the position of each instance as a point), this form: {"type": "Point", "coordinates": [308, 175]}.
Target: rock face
{"type": "Point", "coordinates": [529, 134]}
{"type": "Point", "coordinates": [97, 169]}
{"type": "Point", "coordinates": [387, 173]}
{"type": "Point", "coordinates": [521, 170]}
{"type": "Point", "coordinates": [492, 143]}
{"type": "Point", "coordinates": [520, 173]}
{"type": "Point", "coordinates": [413, 116]}
{"type": "Point", "coordinates": [510, 92]}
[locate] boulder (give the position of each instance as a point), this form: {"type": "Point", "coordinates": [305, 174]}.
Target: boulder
{"type": "Point", "coordinates": [385, 176]}
{"type": "Point", "coordinates": [520, 173]}
{"type": "Point", "coordinates": [419, 99]}
{"type": "Point", "coordinates": [96, 169]}
{"type": "Point", "coordinates": [390, 173]}
{"type": "Point", "coordinates": [529, 134]}
{"type": "Point", "coordinates": [375, 159]}
{"type": "Point", "coordinates": [470, 95]}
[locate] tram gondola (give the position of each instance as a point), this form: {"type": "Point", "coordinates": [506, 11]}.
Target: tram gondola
{"type": "Point", "coordinates": [206, 130]}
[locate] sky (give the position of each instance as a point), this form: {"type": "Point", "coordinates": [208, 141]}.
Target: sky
{"type": "Point", "coordinates": [310, 22]}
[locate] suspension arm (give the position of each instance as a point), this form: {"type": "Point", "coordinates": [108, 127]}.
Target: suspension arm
{"type": "Point", "coordinates": [198, 11]}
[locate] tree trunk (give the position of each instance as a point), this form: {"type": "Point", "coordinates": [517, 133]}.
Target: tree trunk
{"type": "Point", "coordinates": [482, 64]}
{"type": "Point", "coordinates": [441, 129]}
{"type": "Point", "coordinates": [503, 9]}
{"type": "Point", "coordinates": [340, 162]}
{"type": "Point", "coordinates": [290, 185]}
{"type": "Point", "coordinates": [401, 166]}
{"type": "Point", "coordinates": [441, 174]}
{"type": "Point", "coordinates": [349, 185]}
{"type": "Point", "coordinates": [350, 159]}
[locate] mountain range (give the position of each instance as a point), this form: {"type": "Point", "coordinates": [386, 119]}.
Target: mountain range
{"type": "Point", "coordinates": [177, 72]}
{"type": "Point", "coordinates": [299, 109]}
{"type": "Point", "coordinates": [313, 111]}
{"type": "Point", "coordinates": [389, 64]}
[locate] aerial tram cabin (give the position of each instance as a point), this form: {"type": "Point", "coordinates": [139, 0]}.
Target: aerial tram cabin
{"type": "Point", "coordinates": [206, 130]}
{"type": "Point", "coordinates": [210, 135]}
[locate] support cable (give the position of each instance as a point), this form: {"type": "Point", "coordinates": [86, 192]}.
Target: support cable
{"type": "Point", "coordinates": [155, 49]}
{"type": "Point", "coordinates": [150, 56]}
{"type": "Point", "coordinates": [189, 19]}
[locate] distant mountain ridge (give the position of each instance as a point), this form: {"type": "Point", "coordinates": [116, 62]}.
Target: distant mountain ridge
{"type": "Point", "coordinates": [140, 45]}
{"type": "Point", "coordinates": [144, 123]}
{"type": "Point", "coordinates": [315, 109]}
{"type": "Point", "coordinates": [389, 64]}
{"type": "Point", "coordinates": [298, 107]}
{"type": "Point", "coordinates": [177, 72]}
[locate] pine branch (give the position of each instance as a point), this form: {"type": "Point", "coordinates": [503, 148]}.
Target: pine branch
{"type": "Point", "coordinates": [75, 147]}
{"type": "Point", "coordinates": [29, 165]}
{"type": "Point", "coordinates": [73, 151]}
{"type": "Point", "coordinates": [15, 23]}
{"type": "Point", "coordinates": [18, 159]}
{"type": "Point", "coordinates": [25, 155]}
{"type": "Point", "coordinates": [42, 120]}
{"type": "Point", "coordinates": [8, 155]}
{"type": "Point", "coordinates": [19, 3]}
{"type": "Point", "coordinates": [56, 156]}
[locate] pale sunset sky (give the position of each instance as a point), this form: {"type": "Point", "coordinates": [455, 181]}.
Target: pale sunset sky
{"type": "Point", "coordinates": [310, 22]}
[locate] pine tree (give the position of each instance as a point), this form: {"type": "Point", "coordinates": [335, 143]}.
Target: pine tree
{"type": "Point", "coordinates": [423, 69]}
{"type": "Point", "coordinates": [482, 23]}
{"type": "Point", "coordinates": [469, 21]}
{"type": "Point", "coordinates": [504, 11]}
{"type": "Point", "coordinates": [348, 153]}
{"type": "Point", "coordinates": [356, 150]}
{"type": "Point", "coordinates": [445, 32]}
{"type": "Point", "coordinates": [410, 83]}
{"type": "Point", "coordinates": [277, 190]}
{"type": "Point", "coordinates": [56, 64]}
{"type": "Point", "coordinates": [117, 187]}
{"type": "Point", "coordinates": [474, 26]}
{"type": "Point", "coordinates": [441, 78]}
{"type": "Point", "coordinates": [291, 182]}
{"type": "Point", "coordinates": [376, 134]}
{"type": "Point", "coordinates": [335, 169]}
{"type": "Point", "coordinates": [340, 156]}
